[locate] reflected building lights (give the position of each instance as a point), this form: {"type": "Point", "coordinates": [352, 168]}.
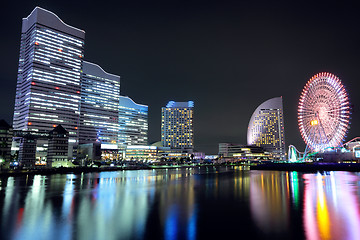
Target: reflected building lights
{"type": "Point", "coordinates": [323, 208]}
{"type": "Point", "coordinates": [124, 204]}
{"type": "Point", "coordinates": [269, 201]}
{"type": "Point", "coordinates": [295, 188]}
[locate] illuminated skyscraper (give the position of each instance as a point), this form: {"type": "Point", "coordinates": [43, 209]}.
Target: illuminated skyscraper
{"type": "Point", "coordinates": [55, 86]}
{"type": "Point", "coordinates": [99, 111]}
{"type": "Point", "coordinates": [177, 125]}
{"type": "Point", "coordinates": [266, 128]}
{"type": "Point", "coordinates": [49, 74]}
{"type": "Point", "coordinates": [133, 123]}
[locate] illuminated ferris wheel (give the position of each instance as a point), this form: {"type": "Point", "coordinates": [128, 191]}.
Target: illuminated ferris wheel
{"type": "Point", "coordinates": [324, 112]}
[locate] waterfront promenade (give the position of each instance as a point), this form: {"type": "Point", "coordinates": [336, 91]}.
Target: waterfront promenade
{"type": "Point", "coordinates": [299, 167]}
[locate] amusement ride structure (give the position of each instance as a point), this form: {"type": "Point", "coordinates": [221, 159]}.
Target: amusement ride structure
{"type": "Point", "coordinates": [323, 115]}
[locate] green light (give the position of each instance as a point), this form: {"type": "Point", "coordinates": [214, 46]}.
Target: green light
{"type": "Point", "coordinates": [295, 188]}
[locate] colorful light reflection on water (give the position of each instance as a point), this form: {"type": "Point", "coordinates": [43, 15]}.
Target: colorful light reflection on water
{"type": "Point", "coordinates": [193, 203]}
{"type": "Point", "coordinates": [331, 206]}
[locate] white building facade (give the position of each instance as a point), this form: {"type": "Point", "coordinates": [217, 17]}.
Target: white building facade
{"type": "Point", "coordinates": [266, 128]}
{"type": "Point", "coordinates": [49, 74]}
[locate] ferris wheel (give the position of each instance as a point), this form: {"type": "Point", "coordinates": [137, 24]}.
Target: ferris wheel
{"type": "Point", "coordinates": [323, 112]}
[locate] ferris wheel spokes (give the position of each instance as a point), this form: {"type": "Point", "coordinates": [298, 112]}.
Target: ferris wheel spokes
{"type": "Point", "coordinates": [323, 112]}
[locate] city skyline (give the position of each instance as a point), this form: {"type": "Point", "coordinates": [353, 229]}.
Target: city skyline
{"type": "Point", "coordinates": [160, 60]}
{"type": "Point", "coordinates": [56, 86]}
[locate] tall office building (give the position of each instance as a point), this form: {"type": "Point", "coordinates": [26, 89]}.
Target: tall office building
{"type": "Point", "coordinates": [133, 123]}
{"type": "Point", "coordinates": [177, 125]}
{"type": "Point", "coordinates": [56, 87]}
{"type": "Point", "coordinates": [266, 128]}
{"type": "Point", "coordinates": [48, 83]}
{"type": "Point", "coordinates": [99, 110]}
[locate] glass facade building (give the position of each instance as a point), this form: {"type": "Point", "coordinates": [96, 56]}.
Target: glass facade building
{"type": "Point", "coordinates": [266, 128]}
{"type": "Point", "coordinates": [177, 125]}
{"type": "Point", "coordinates": [99, 109]}
{"type": "Point", "coordinates": [55, 86]}
{"type": "Point", "coordinates": [49, 74]}
{"type": "Point", "coordinates": [133, 123]}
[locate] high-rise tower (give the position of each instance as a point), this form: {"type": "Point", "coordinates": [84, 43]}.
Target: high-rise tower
{"type": "Point", "coordinates": [133, 123]}
{"type": "Point", "coordinates": [177, 125]}
{"type": "Point", "coordinates": [48, 84]}
{"type": "Point", "coordinates": [266, 128]}
{"type": "Point", "coordinates": [99, 110]}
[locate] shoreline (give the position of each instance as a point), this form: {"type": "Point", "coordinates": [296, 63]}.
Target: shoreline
{"type": "Point", "coordinates": [300, 167]}
{"type": "Point", "coordinates": [78, 170]}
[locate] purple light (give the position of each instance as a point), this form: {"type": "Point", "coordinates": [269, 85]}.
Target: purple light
{"type": "Point", "coordinates": [324, 99]}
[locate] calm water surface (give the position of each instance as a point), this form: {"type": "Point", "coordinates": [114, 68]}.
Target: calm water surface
{"type": "Point", "coordinates": [192, 203]}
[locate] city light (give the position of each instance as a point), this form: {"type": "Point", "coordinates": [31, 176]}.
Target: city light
{"type": "Point", "coordinates": [314, 122]}
{"type": "Point", "coordinates": [266, 127]}
{"type": "Point", "coordinates": [324, 98]}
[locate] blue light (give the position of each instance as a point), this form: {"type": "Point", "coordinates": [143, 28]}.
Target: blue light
{"type": "Point", "coordinates": [170, 104]}
{"type": "Point", "coordinates": [191, 228]}
{"type": "Point", "coordinates": [190, 103]}
{"type": "Point", "coordinates": [171, 225]}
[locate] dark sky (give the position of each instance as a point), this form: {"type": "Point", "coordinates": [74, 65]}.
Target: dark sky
{"type": "Point", "coordinates": [226, 56]}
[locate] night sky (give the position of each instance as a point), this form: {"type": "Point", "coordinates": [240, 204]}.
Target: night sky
{"type": "Point", "coordinates": [226, 56]}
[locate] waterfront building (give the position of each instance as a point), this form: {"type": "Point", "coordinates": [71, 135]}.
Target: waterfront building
{"type": "Point", "coordinates": [177, 130]}
{"type": "Point", "coordinates": [239, 152]}
{"type": "Point", "coordinates": [266, 128]}
{"type": "Point", "coordinates": [99, 109]}
{"type": "Point", "coordinates": [170, 154]}
{"type": "Point", "coordinates": [6, 134]}
{"type": "Point", "coordinates": [227, 149]}
{"type": "Point", "coordinates": [57, 152]}
{"type": "Point", "coordinates": [199, 155]}
{"type": "Point", "coordinates": [49, 74]}
{"type": "Point", "coordinates": [141, 153]}
{"type": "Point", "coordinates": [133, 123]}
{"type": "Point", "coordinates": [55, 86]}
{"type": "Point", "coordinates": [156, 153]}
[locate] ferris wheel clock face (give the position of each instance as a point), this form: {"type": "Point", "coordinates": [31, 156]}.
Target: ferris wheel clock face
{"type": "Point", "coordinates": [323, 112]}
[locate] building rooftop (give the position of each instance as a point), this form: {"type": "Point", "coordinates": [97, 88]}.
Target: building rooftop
{"type": "Point", "coordinates": [58, 130]}
{"type": "Point", "coordinates": [173, 104]}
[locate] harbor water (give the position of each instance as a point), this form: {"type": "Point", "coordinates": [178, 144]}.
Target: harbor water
{"type": "Point", "coordinates": [183, 203]}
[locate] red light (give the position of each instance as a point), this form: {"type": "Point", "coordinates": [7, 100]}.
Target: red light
{"type": "Point", "coordinates": [36, 43]}
{"type": "Point", "coordinates": [32, 83]}
{"type": "Point", "coordinates": [29, 123]}
{"type": "Point", "coordinates": [60, 50]}
{"type": "Point", "coordinates": [54, 125]}
{"type": "Point", "coordinates": [57, 88]}
{"type": "Point", "coordinates": [78, 92]}
{"type": "Point", "coordinates": [80, 56]}
{"type": "Point", "coordinates": [75, 127]}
